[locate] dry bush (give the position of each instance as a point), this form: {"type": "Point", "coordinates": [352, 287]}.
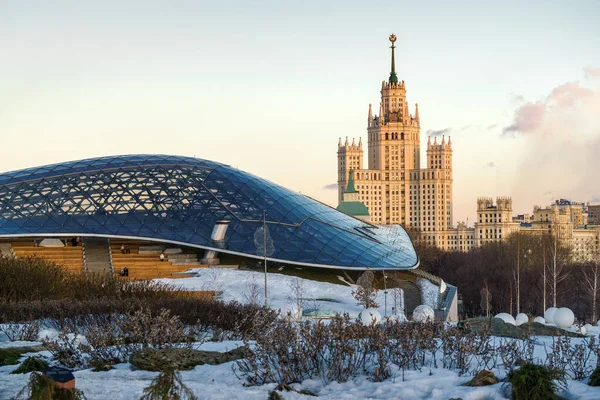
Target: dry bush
{"type": "Point", "coordinates": [66, 350]}
{"type": "Point", "coordinates": [157, 330]}
{"type": "Point", "coordinates": [338, 351]}
{"type": "Point", "coordinates": [573, 359]}
{"type": "Point", "coordinates": [236, 319]}
{"type": "Point", "coordinates": [27, 331]}
{"type": "Point", "coordinates": [36, 279]}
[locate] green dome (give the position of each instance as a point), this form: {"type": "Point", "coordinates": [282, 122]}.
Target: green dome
{"type": "Point", "coordinates": [353, 208]}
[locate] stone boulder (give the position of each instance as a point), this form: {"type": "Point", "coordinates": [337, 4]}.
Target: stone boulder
{"type": "Point", "coordinates": [483, 378]}
{"type": "Point", "coordinates": [497, 327]}
{"type": "Point", "coordinates": [183, 359]}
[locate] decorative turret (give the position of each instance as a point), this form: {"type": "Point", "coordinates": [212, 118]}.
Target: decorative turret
{"type": "Point", "coordinates": [393, 78]}
{"type": "Point", "coordinates": [346, 142]}
{"type": "Point", "coordinates": [381, 115]}
{"type": "Point", "coordinates": [351, 204]}
{"type": "Point", "coordinates": [360, 142]}
{"type": "Point", "coordinates": [340, 143]}
{"type": "Point", "coordinates": [370, 118]}
{"type": "Point", "coordinates": [417, 114]}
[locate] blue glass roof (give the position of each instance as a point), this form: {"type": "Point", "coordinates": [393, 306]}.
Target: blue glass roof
{"type": "Point", "coordinates": [175, 199]}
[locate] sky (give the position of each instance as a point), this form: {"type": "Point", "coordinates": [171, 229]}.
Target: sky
{"type": "Point", "coordinates": [270, 86]}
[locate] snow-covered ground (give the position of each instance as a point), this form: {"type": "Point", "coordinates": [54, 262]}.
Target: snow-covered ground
{"type": "Point", "coordinates": [220, 382]}
{"type": "Point", "coordinates": [236, 285]}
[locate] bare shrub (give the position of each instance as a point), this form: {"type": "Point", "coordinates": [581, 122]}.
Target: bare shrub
{"type": "Point", "coordinates": [365, 292]}
{"type": "Point", "coordinates": [27, 331]}
{"type": "Point", "coordinates": [239, 320]}
{"type": "Point", "coordinates": [158, 330]}
{"type": "Point", "coordinates": [254, 293]}
{"type": "Point", "coordinates": [515, 352]}
{"type": "Point", "coordinates": [573, 359]}
{"type": "Point", "coordinates": [66, 350]}
{"type": "Point", "coordinates": [36, 279]}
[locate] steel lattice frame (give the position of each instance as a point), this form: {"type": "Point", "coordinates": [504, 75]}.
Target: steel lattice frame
{"type": "Point", "coordinates": [178, 200]}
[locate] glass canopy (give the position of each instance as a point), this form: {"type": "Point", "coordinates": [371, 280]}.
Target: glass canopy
{"type": "Point", "coordinates": [178, 200]}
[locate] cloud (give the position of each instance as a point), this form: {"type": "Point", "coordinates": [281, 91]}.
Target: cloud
{"type": "Point", "coordinates": [516, 98]}
{"type": "Point", "coordinates": [331, 186]}
{"type": "Point", "coordinates": [491, 164]}
{"type": "Point", "coordinates": [529, 117]}
{"type": "Point", "coordinates": [492, 126]}
{"type": "Point", "coordinates": [444, 131]}
{"type": "Point", "coordinates": [591, 72]}
{"type": "Point", "coordinates": [559, 144]}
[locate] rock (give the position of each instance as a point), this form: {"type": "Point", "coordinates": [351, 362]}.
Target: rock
{"type": "Point", "coordinates": [483, 378]}
{"type": "Point", "coordinates": [500, 328]}
{"type": "Point", "coordinates": [183, 359]}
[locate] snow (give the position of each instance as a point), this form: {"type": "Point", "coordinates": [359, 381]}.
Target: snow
{"type": "Point", "coordinates": [220, 382]}
{"type": "Point", "coordinates": [429, 293]}
{"type": "Point", "coordinates": [236, 285]}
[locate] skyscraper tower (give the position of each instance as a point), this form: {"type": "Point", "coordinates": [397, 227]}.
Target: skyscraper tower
{"type": "Point", "coordinates": [395, 188]}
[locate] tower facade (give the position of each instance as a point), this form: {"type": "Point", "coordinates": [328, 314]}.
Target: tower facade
{"type": "Point", "coordinates": [394, 187]}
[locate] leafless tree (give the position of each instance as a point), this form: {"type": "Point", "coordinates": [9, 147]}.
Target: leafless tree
{"type": "Point", "coordinates": [486, 299]}
{"type": "Point", "coordinates": [398, 299]}
{"type": "Point", "coordinates": [556, 274]}
{"type": "Point", "coordinates": [214, 281]}
{"type": "Point", "coordinates": [254, 292]}
{"type": "Point", "coordinates": [591, 277]}
{"type": "Point", "coordinates": [297, 292]}
{"type": "Point", "coordinates": [365, 292]}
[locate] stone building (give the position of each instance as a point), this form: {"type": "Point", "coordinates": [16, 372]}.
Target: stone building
{"type": "Point", "coordinates": [394, 187]}
{"type": "Point", "coordinates": [593, 214]}
{"type": "Point", "coordinates": [495, 222]}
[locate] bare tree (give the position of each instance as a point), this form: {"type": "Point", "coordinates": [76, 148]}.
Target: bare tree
{"type": "Point", "coordinates": [254, 292]}
{"type": "Point", "coordinates": [556, 272]}
{"type": "Point", "coordinates": [486, 299]}
{"type": "Point", "coordinates": [297, 292]}
{"type": "Point", "coordinates": [398, 299]}
{"type": "Point", "coordinates": [365, 292]}
{"type": "Point", "coordinates": [544, 275]}
{"type": "Point", "coordinates": [591, 277]}
{"type": "Point", "coordinates": [214, 281]}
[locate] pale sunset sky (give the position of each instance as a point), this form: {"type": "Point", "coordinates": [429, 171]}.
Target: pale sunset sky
{"type": "Point", "coordinates": [270, 86]}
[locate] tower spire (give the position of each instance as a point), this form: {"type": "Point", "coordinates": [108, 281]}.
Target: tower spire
{"type": "Point", "coordinates": [393, 77]}
{"type": "Point", "coordinates": [350, 186]}
{"type": "Point", "coordinates": [417, 113]}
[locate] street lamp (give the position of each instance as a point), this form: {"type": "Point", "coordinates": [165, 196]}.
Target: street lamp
{"type": "Point", "coordinates": [384, 294]}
